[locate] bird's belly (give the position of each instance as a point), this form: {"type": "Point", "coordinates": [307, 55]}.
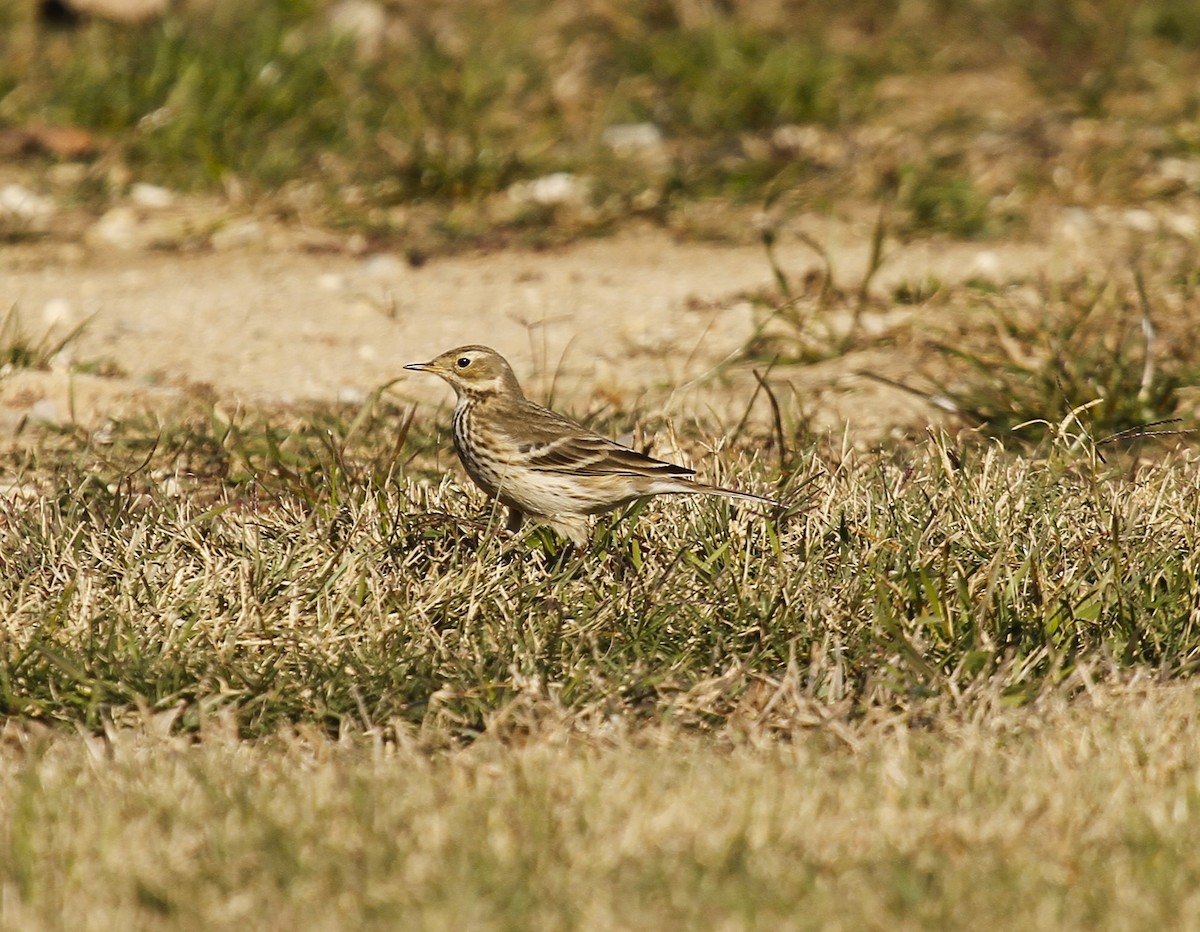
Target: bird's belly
{"type": "Point", "coordinates": [550, 493]}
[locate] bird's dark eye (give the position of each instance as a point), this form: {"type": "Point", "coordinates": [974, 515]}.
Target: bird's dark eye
{"type": "Point", "coordinates": [463, 362]}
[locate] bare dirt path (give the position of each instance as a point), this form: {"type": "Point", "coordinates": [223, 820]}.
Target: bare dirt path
{"type": "Point", "coordinates": [638, 314]}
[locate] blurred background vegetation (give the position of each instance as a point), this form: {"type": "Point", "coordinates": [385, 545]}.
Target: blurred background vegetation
{"type": "Point", "coordinates": [966, 115]}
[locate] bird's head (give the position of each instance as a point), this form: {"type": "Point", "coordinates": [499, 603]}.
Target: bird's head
{"type": "Point", "coordinates": [473, 372]}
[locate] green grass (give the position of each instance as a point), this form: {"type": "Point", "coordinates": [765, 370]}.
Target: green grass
{"type": "Point", "coordinates": [20, 351]}
{"type": "Point", "coordinates": [266, 100]}
{"type": "Point", "coordinates": [939, 198]}
{"type": "Point", "coordinates": [729, 78]}
{"type": "Point", "coordinates": [292, 577]}
{"type": "Point", "coordinates": [1088, 362]}
{"type": "Point", "coordinates": [268, 95]}
{"type": "Point", "coordinates": [1076, 49]}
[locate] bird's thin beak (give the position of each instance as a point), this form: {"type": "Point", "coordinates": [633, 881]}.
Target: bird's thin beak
{"type": "Point", "coordinates": [419, 366]}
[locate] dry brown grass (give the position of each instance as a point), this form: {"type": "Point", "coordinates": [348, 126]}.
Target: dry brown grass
{"type": "Point", "coordinates": [1055, 815]}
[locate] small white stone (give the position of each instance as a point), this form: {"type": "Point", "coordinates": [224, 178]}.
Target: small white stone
{"type": "Point", "coordinates": [151, 196]}
{"type": "Point", "coordinates": [986, 265]}
{"type": "Point", "coordinates": [362, 21]}
{"type": "Point", "coordinates": [382, 265]}
{"type": "Point", "coordinates": [20, 202]}
{"type": "Point", "coordinates": [1140, 220]}
{"type": "Point", "coordinates": [117, 228]}
{"type": "Point", "coordinates": [1076, 223]}
{"type": "Point", "coordinates": [270, 74]}
{"type": "Point", "coordinates": [58, 311]}
{"type": "Point", "coordinates": [67, 174]}
{"type": "Point", "coordinates": [1184, 225]}
{"type": "Point", "coordinates": [1186, 171]}
{"type": "Point", "coordinates": [560, 188]}
{"type": "Point", "coordinates": [332, 281]}
{"type": "Point", "coordinates": [628, 138]}
{"type": "Point", "coordinates": [44, 410]}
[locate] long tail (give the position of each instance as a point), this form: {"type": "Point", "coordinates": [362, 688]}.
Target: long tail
{"type": "Point", "coordinates": [703, 489]}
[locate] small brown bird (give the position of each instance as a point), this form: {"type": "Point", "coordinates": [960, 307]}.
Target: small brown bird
{"type": "Point", "coordinates": [541, 465]}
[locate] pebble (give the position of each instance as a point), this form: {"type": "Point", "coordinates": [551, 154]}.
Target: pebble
{"type": "Point", "coordinates": [46, 410]}
{"type": "Point", "coordinates": [1076, 223]}
{"type": "Point", "coordinates": [151, 196]}
{"type": "Point", "coordinates": [560, 188]}
{"type": "Point", "coordinates": [19, 201]}
{"type": "Point", "coordinates": [986, 266]}
{"type": "Point", "coordinates": [1186, 171]}
{"type": "Point", "coordinates": [58, 311]}
{"type": "Point", "coordinates": [362, 21]}
{"type": "Point", "coordinates": [1184, 225]}
{"type": "Point", "coordinates": [117, 228]}
{"type": "Point", "coordinates": [633, 138]}
{"type": "Point", "coordinates": [1140, 220]}
{"type": "Point", "coordinates": [382, 265]}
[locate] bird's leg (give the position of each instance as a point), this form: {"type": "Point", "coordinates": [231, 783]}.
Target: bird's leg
{"type": "Point", "coordinates": [512, 524]}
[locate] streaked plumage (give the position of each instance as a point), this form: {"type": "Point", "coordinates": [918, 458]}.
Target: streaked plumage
{"type": "Point", "coordinates": [541, 465]}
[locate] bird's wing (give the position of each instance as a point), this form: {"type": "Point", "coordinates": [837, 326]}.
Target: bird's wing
{"type": "Point", "coordinates": [554, 443]}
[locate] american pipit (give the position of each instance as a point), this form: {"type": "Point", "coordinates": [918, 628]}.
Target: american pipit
{"type": "Point", "coordinates": [542, 465]}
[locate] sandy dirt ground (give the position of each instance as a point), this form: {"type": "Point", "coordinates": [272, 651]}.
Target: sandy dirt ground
{"type": "Point", "coordinates": [638, 319]}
